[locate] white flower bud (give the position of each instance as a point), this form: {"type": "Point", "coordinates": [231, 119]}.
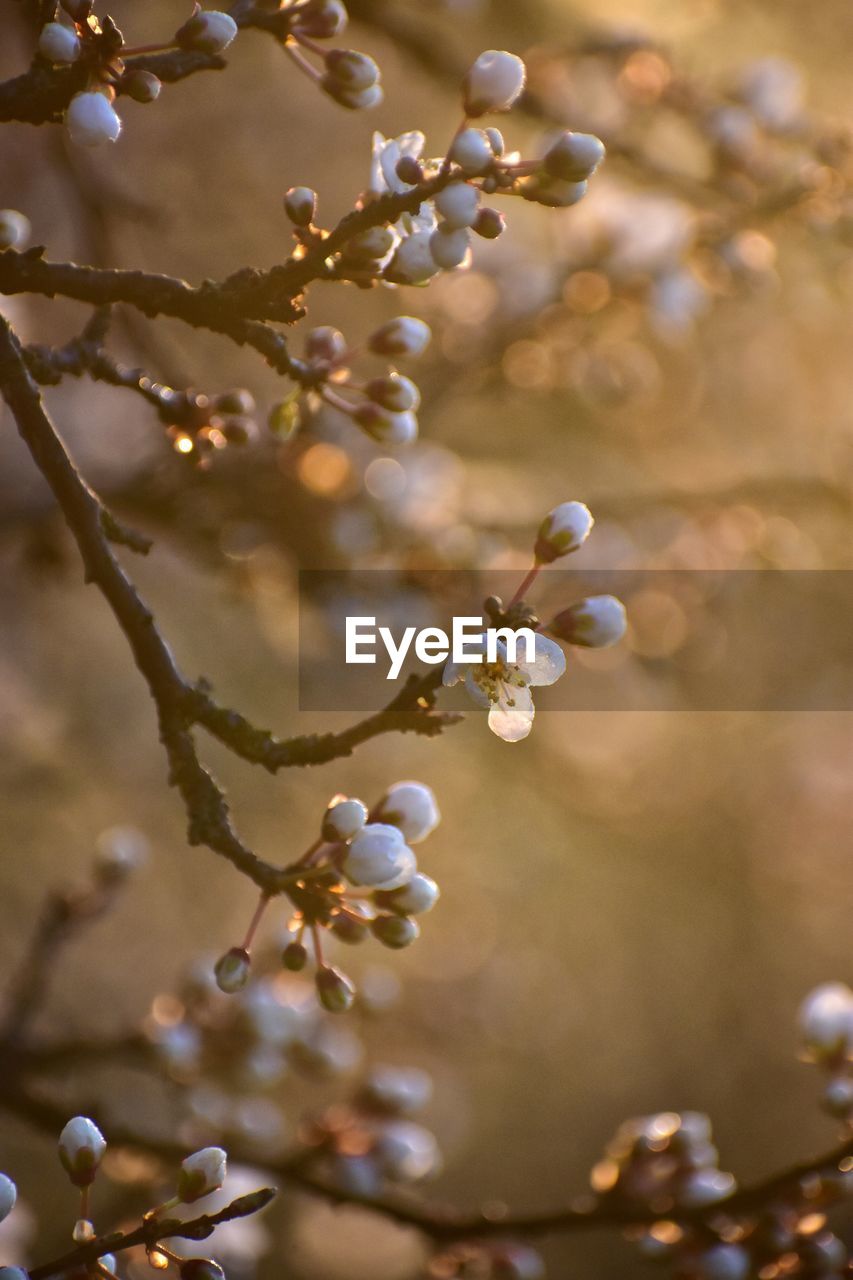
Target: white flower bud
{"type": "Point", "coordinates": [449, 248]}
{"type": "Point", "coordinates": [91, 119]}
{"type": "Point", "coordinates": [408, 1152]}
{"type": "Point", "coordinates": [493, 83]}
{"type": "Point", "coordinates": [343, 819]}
{"type": "Point", "coordinates": [472, 151]}
{"type": "Point", "coordinates": [553, 193]}
{"type": "Point", "coordinates": [395, 931]}
{"type": "Point", "coordinates": [574, 156]}
{"type": "Point", "coordinates": [380, 857]}
{"type": "Point", "coordinates": [300, 205]}
{"type": "Point", "coordinates": [322, 19]}
{"type": "Point", "coordinates": [81, 1150]}
{"type": "Point", "coordinates": [59, 43]}
{"type": "Point", "coordinates": [384, 426]}
{"type": "Point", "coordinates": [207, 32]}
{"type": "Point", "coordinates": [496, 140]}
{"type": "Point", "coordinates": [413, 899]}
{"type": "Point", "coordinates": [8, 1196]}
{"type": "Point", "coordinates": [14, 1273]}
{"type": "Point", "coordinates": [108, 1260]}
{"type": "Point", "coordinates": [334, 990]}
{"type": "Point", "coordinates": [83, 1231]}
{"type": "Point", "coordinates": [201, 1173]}
{"type": "Point", "coordinates": [723, 1262]}
{"type": "Point", "coordinates": [325, 344]}
{"type": "Point", "coordinates": [400, 1090]}
{"type": "Point", "coordinates": [352, 70]}
{"type": "Point", "coordinates": [594, 623]}
{"type": "Point", "coordinates": [403, 336]}
{"type": "Point", "coordinates": [394, 392]}
{"type": "Point", "coordinates": [410, 806]}
{"type": "Point", "coordinates": [355, 99]}
{"type": "Point", "coordinates": [15, 229]}
{"type": "Point", "coordinates": [142, 86]}
{"type": "Point", "coordinates": [119, 851]}
{"type": "Point", "coordinates": [458, 204]}
{"type": "Point", "coordinates": [413, 262]}
{"type": "Point", "coordinates": [826, 1020]}
{"type": "Point", "coordinates": [232, 970]}
{"type": "Point", "coordinates": [563, 530]}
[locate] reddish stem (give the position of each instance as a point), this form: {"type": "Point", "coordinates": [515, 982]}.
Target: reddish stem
{"type": "Point", "coordinates": [255, 921]}
{"type": "Point", "coordinates": [526, 583]}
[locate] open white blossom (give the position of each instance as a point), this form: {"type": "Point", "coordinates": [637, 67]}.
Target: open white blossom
{"type": "Point", "coordinates": [504, 687]}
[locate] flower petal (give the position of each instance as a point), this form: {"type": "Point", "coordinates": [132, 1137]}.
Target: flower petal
{"type": "Point", "coordinates": [512, 723]}
{"type": "Point", "coordinates": [474, 691]}
{"type": "Point", "coordinates": [453, 672]}
{"type": "Point", "coordinates": [549, 664]}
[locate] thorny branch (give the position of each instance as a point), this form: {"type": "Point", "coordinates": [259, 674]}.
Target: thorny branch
{"type": "Point", "coordinates": [180, 704]}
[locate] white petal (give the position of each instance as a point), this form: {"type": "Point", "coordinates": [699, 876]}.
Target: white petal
{"type": "Point", "coordinates": [512, 723]}
{"type": "Point", "coordinates": [453, 673]}
{"type": "Point", "coordinates": [474, 691]}
{"type": "Point", "coordinates": [549, 664]}
{"type": "Point", "coordinates": [408, 144]}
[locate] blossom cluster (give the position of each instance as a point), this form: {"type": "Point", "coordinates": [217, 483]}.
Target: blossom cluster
{"type": "Point", "coordinates": [826, 1025]}
{"type": "Point", "coordinates": [359, 878]}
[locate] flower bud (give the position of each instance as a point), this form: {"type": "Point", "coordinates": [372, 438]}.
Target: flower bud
{"type": "Point", "coordinates": [395, 932]}
{"type": "Point", "coordinates": [563, 530]}
{"type": "Point", "coordinates": [232, 970]}
{"type": "Point", "coordinates": [413, 262]}
{"type": "Point", "coordinates": [201, 1269]}
{"type": "Point", "coordinates": [8, 1196]}
{"type": "Point", "coordinates": [354, 99]}
{"type": "Point", "coordinates": [574, 156]}
{"type": "Point", "coordinates": [334, 990]}
{"type": "Point", "coordinates": [83, 1231]}
{"type": "Point", "coordinates": [472, 151]}
{"type": "Point", "coordinates": [15, 229]}
{"type": "Point", "coordinates": [408, 1151]}
{"type": "Point", "coordinates": [370, 245]}
{"type": "Point", "coordinates": [513, 1261]}
{"type": "Point", "coordinates": [594, 623]}
{"type": "Point", "coordinates": [409, 170]}
{"type": "Point", "coordinates": [489, 224]}
{"type": "Point", "coordinates": [201, 1173]}
{"type": "Point", "coordinates": [838, 1097]}
{"type": "Point", "coordinates": [458, 204]}
{"type": "Point", "coordinates": [553, 193]}
{"type": "Point", "coordinates": [300, 205]}
{"type": "Point", "coordinates": [91, 119]}
{"type": "Point", "coordinates": [207, 32]}
{"type": "Point", "coordinates": [394, 392]}
{"type": "Point", "coordinates": [496, 141]}
{"type": "Point", "coordinates": [826, 1020]}
{"type": "Point", "coordinates": [379, 857]}
{"type": "Point", "coordinates": [119, 851]}
{"type": "Point", "coordinates": [237, 401]}
{"type": "Point", "coordinates": [449, 248]}
{"type": "Point", "coordinates": [413, 899]}
{"type": "Point", "coordinates": [325, 344]}
{"type": "Point", "coordinates": [403, 336]}
{"type": "Point", "coordinates": [81, 1150]}
{"type": "Point", "coordinates": [411, 807]}
{"type": "Point", "coordinates": [142, 86]}
{"type": "Point", "coordinates": [384, 426]}
{"type": "Point", "coordinates": [352, 70]}
{"type": "Point", "coordinates": [353, 925]}
{"type": "Point", "coordinates": [396, 1090]}
{"type": "Point", "coordinates": [59, 43]}
{"type": "Point", "coordinates": [343, 819]}
{"type": "Point", "coordinates": [493, 83]}
{"type": "Point", "coordinates": [321, 19]}
{"type": "Point", "coordinates": [294, 957]}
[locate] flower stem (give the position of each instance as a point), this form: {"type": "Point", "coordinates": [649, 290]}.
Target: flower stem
{"type": "Point", "coordinates": [526, 583]}
{"type": "Point", "coordinates": [255, 921]}
{"type": "Point", "coordinates": [302, 63]}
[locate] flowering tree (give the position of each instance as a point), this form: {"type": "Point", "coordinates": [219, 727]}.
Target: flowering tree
{"type": "Point", "coordinates": [236, 1024]}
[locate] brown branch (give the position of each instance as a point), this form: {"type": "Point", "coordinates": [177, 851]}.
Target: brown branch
{"type": "Point", "coordinates": [152, 1231]}
{"type": "Point", "coordinates": [180, 705]}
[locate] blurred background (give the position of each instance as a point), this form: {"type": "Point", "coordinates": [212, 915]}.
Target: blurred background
{"type": "Point", "coordinates": [634, 903]}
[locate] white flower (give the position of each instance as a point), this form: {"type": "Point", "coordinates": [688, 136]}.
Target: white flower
{"type": "Point", "coordinates": [58, 43]}
{"type": "Point", "coordinates": [826, 1019]}
{"type": "Point", "coordinates": [413, 899]}
{"type": "Point", "coordinates": [563, 530]}
{"type": "Point", "coordinates": [594, 623]}
{"type": "Point", "coordinates": [380, 857]}
{"type": "Point", "coordinates": [403, 336]}
{"type": "Point", "coordinates": [344, 818]}
{"type": "Point", "coordinates": [458, 204]}
{"type": "Point", "coordinates": [201, 1173]}
{"type": "Point", "coordinates": [493, 83]}
{"type": "Point", "coordinates": [91, 120]}
{"type": "Point", "coordinates": [81, 1150]}
{"type": "Point", "coordinates": [410, 806]}
{"type": "Point", "coordinates": [505, 688]}
{"type": "Point", "coordinates": [209, 32]}
{"type": "Point", "coordinates": [413, 262]}
{"type": "Point", "coordinates": [449, 248]}
{"type": "Point", "coordinates": [387, 154]}
{"type": "Point", "coordinates": [8, 1196]}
